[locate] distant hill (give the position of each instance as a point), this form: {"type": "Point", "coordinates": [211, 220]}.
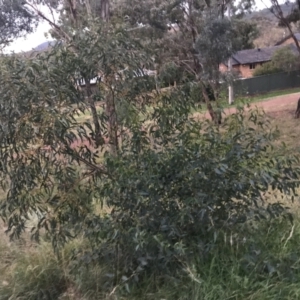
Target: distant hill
{"type": "Point", "coordinates": [266, 13]}
{"type": "Point", "coordinates": [270, 32]}
{"type": "Point", "coordinates": [44, 46]}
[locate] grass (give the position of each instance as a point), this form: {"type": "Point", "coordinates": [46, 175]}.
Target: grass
{"type": "Point", "coordinates": [265, 96]}
{"type": "Point", "coordinates": [290, 130]}
{"type": "Point", "coordinates": [242, 100]}
{"type": "Point", "coordinates": [264, 266]}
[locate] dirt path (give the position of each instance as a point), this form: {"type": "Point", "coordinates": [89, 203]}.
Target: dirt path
{"type": "Point", "coordinates": [274, 106]}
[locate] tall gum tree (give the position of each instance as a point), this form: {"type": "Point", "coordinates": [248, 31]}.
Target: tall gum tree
{"type": "Point", "coordinates": [171, 28]}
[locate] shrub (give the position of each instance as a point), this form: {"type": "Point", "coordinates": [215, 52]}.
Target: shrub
{"type": "Point", "coordinates": [178, 197]}
{"type": "Point", "coordinates": [265, 69]}
{"type": "Point", "coordinates": [283, 60]}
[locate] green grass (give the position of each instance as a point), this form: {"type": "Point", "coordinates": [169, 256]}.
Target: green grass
{"type": "Point", "coordinates": [259, 98]}
{"type": "Point", "coordinates": [242, 100]}
{"type": "Point", "coordinates": [266, 265]}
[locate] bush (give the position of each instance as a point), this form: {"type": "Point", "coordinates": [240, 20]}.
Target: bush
{"type": "Point", "coordinates": [193, 186]}
{"type": "Point", "coordinates": [170, 73]}
{"type": "Point", "coordinates": [265, 69]}
{"type": "Point", "coordinates": [283, 60]}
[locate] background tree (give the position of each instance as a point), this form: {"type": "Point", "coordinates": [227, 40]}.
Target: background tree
{"type": "Point", "coordinates": [15, 21]}
{"type": "Point", "coordinates": [277, 11]}
{"type": "Point", "coordinates": [246, 33]}
{"type": "Point", "coordinates": [293, 16]}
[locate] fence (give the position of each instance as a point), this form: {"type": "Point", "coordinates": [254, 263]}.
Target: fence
{"type": "Point", "coordinates": [267, 83]}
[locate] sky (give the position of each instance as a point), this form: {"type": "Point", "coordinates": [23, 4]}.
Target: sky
{"type": "Point", "coordinates": [38, 37]}
{"type": "Point", "coordinates": [34, 39]}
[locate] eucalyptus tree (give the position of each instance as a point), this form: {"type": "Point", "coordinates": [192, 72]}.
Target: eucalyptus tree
{"type": "Point", "coordinates": [171, 28]}
{"type": "Point", "coordinates": [15, 21]}
{"type": "Point", "coordinates": [286, 20]}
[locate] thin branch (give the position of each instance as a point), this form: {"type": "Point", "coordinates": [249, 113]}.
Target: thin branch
{"type": "Point", "coordinates": [73, 11]}
{"type": "Point", "coordinates": [88, 8]}
{"type": "Point", "coordinates": [95, 168]}
{"type": "Point", "coordinates": [51, 23]}
{"type": "Point", "coordinates": [277, 12]}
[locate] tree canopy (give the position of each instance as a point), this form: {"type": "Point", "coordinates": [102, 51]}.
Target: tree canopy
{"type": "Point", "coordinates": [15, 21]}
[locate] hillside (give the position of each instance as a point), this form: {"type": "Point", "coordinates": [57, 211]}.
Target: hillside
{"type": "Point", "coordinates": [44, 46]}
{"type": "Point", "coordinates": [270, 32]}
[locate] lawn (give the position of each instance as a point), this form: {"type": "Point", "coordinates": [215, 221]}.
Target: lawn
{"type": "Point", "coordinates": [259, 98]}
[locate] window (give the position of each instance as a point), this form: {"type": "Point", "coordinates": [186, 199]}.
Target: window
{"type": "Point", "coordinates": [252, 66]}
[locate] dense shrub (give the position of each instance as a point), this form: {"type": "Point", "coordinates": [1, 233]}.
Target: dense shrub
{"type": "Point", "coordinates": [283, 60]}
{"type": "Point", "coordinates": [170, 73]}
{"type": "Point", "coordinates": [265, 69]}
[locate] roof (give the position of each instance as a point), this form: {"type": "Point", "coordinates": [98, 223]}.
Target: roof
{"type": "Point", "coordinates": [297, 36]}
{"type": "Point", "coordinates": [257, 55]}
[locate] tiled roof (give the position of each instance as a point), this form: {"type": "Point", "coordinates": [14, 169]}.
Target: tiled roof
{"type": "Point", "coordinates": [257, 55]}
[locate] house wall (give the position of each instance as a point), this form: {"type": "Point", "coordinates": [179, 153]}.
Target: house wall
{"type": "Point", "coordinates": [243, 70]}
{"type": "Point", "coordinates": [223, 68]}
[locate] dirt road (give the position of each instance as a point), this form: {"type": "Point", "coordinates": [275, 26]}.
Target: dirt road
{"type": "Point", "coordinates": [274, 106]}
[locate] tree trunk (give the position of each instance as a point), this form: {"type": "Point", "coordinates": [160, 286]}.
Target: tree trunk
{"type": "Point", "coordinates": [277, 12]}
{"type": "Point", "coordinates": [112, 126]}
{"type": "Point", "coordinates": [216, 118]}
{"type": "Point", "coordinates": [98, 136]}
{"type": "Point", "coordinates": [105, 10]}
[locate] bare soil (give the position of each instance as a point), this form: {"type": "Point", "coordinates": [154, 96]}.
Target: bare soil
{"type": "Point", "coordinates": [274, 107]}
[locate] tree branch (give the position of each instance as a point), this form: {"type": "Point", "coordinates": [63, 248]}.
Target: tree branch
{"type": "Point", "coordinates": [57, 28]}
{"type": "Point", "coordinates": [277, 12]}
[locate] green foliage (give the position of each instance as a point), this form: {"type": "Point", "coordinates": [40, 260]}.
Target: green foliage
{"type": "Point", "coordinates": [286, 59]}
{"type": "Point", "coordinates": [15, 21]}
{"type": "Point", "coordinates": [266, 68]}
{"type": "Point", "coordinates": [283, 60]}
{"type": "Point", "coordinates": [246, 33]}
{"type": "Point", "coordinates": [171, 184]}
{"type": "Point", "coordinates": [263, 261]}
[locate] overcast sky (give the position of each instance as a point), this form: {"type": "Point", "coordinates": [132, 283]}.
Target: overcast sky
{"type": "Point", "coordinates": [38, 37]}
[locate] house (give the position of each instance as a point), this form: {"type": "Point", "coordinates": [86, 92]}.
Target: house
{"type": "Point", "coordinates": [288, 40]}
{"type": "Point", "coordinates": [244, 62]}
